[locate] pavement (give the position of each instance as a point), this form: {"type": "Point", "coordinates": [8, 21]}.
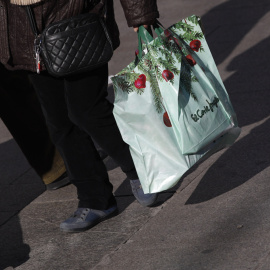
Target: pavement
{"type": "Point", "coordinates": [216, 218]}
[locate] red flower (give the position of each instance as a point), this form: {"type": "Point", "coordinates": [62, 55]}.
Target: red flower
{"type": "Point", "coordinates": [190, 60]}
{"type": "Point", "coordinates": [195, 45]}
{"type": "Point", "coordinates": [167, 120]}
{"type": "Point", "coordinates": [140, 82]}
{"type": "Point", "coordinates": [167, 75]}
{"type": "Point", "coordinates": [167, 33]}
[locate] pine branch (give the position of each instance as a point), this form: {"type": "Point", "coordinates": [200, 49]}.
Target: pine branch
{"type": "Point", "coordinates": [131, 76]}
{"type": "Point", "coordinates": [201, 49]}
{"type": "Point", "coordinates": [198, 35]}
{"type": "Point", "coordinates": [148, 68]}
{"type": "Point", "coordinates": [174, 48]}
{"type": "Point", "coordinates": [144, 66]}
{"type": "Point", "coordinates": [156, 92]}
{"type": "Point", "coordinates": [153, 65]}
{"type": "Point", "coordinates": [123, 84]}
{"type": "Point", "coordinates": [194, 79]}
{"type": "Point", "coordinates": [169, 66]}
{"type": "Point", "coordinates": [193, 19]}
{"type": "Point", "coordinates": [186, 80]}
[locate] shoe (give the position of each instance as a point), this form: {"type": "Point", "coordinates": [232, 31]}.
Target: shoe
{"type": "Point", "coordinates": [143, 199]}
{"type": "Point", "coordinates": [61, 181]}
{"type": "Point", "coordinates": [86, 218]}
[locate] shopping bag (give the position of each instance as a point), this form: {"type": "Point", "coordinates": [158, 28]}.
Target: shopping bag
{"type": "Point", "coordinates": [171, 105]}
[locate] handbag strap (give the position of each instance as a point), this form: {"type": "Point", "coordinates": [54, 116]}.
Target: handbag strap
{"type": "Point", "coordinates": [32, 20]}
{"type": "Point", "coordinates": [33, 23]}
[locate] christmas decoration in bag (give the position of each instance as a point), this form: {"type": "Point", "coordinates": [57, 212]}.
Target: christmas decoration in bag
{"type": "Point", "coordinates": [171, 105]}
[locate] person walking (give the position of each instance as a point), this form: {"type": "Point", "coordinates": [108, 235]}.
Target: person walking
{"type": "Point", "coordinates": [75, 107]}
{"type": "Point", "coordinates": [21, 113]}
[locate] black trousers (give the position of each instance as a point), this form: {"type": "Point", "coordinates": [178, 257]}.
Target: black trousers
{"type": "Point", "coordinates": [21, 113]}
{"type": "Point", "coordinates": [76, 110]}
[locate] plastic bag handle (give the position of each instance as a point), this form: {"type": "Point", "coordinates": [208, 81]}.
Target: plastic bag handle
{"type": "Point", "coordinates": [146, 36]}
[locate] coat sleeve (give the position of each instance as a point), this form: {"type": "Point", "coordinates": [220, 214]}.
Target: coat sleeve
{"type": "Point", "coordinates": [139, 12]}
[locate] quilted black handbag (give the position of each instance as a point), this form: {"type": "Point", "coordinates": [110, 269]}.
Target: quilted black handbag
{"type": "Point", "coordinates": [72, 46]}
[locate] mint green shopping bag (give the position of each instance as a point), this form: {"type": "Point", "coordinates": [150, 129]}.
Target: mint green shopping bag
{"type": "Point", "coordinates": [171, 105]}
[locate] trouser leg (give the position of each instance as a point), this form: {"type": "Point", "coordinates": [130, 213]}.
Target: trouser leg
{"type": "Point", "coordinates": [85, 168]}
{"type": "Point", "coordinates": [89, 109]}
{"type": "Point", "coordinates": [21, 113]}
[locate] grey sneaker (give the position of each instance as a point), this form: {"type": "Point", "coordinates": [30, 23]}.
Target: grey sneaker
{"type": "Point", "coordinates": [144, 199]}
{"type": "Point", "coordinates": [86, 218]}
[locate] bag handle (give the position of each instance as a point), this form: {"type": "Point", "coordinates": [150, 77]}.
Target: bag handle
{"type": "Point", "coordinates": [146, 35]}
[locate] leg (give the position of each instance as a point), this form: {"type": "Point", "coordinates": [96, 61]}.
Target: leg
{"type": "Point", "coordinates": [85, 168]}
{"type": "Point", "coordinates": [93, 113]}
{"type": "Point", "coordinates": [21, 114]}
{"type": "Point", "coordinates": [20, 111]}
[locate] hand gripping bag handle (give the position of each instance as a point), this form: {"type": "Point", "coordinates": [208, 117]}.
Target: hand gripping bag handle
{"type": "Point", "coordinates": [146, 36]}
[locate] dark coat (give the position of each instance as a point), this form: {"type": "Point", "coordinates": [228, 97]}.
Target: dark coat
{"type": "Point", "coordinates": [16, 37]}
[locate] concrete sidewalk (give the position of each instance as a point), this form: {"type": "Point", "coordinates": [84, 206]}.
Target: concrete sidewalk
{"type": "Point", "coordinates": [216, 218]}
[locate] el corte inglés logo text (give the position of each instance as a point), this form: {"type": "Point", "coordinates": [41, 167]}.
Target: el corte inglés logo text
{"type": "Point", "coordinates": [200, 113]}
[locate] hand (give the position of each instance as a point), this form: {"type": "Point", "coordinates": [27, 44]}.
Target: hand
{"type": "Point", "coordinates": [137, 28]}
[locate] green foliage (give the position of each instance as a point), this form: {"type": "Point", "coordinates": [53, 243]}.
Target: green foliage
{"type": "Point", "coordinates": [198, 35]}
{"type": "Point", "coordinates": [129, 68]}
{"type": "Point", "coordinates": [123, 84]}
{"type": "Point", "coordinates": [163, 54]}
{"type": "Point", "coordinates": [175, 49]}
{"type": "Point", "coordinates": [193, 19]}
{"type": "Point", "coordinates": [187, 28]}
{"type": "Point", "coordinates": [186, 78]}
{"type": "Point", "coordinates": [188, 33]}
{"type": "Point", "coordinates": [126, 82]}
{"type": "Point", "coordinates": [156, 92]}
{"type": "Point", "coordinates": [150, 71]}
{"type": "Point", "coordinates": [194, 79]}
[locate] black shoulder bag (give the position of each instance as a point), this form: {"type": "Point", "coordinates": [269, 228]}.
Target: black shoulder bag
{"type": "Point", "coordinates": [72, 46]}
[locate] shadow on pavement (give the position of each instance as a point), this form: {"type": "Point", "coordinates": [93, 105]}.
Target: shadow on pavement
{"type": "Point", "coordinates": [227, 24]}
{"type": "Point", "coordinates": [249, 89]}
{"type": "Point", "coordinates": [236, 166]}
{"type": "Point", "coordinates": [13, 251]}
{"type": "Point", "coordinates": [18, 187]}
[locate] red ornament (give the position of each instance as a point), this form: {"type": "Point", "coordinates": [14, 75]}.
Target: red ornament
{"type": "Point", "coordinates": [177, 42]}
{"type": "Point", "coordinates": [195, 45]}
{"type": "Point", "coordinates": [167, 33]}
{"type": "Point", "coordinates": [140, 82]}
{"type": "Point", "coordinates": [167, 120]}
{"type": "Point", "coordinates": [136, 52]}
{"type": "Point", "coordinates": [167, 75]}
{"type": "Point", "coordinates": [190, 60]}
